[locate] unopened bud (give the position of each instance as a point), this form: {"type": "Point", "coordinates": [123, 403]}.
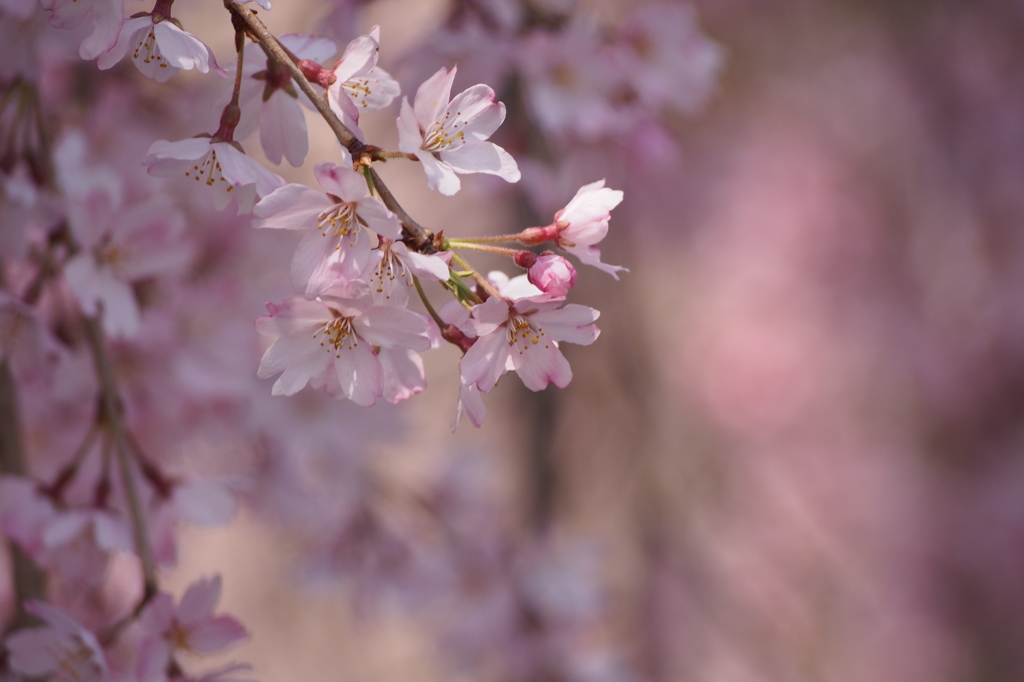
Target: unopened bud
{"type": "Point", "coordinates": [552, 274]}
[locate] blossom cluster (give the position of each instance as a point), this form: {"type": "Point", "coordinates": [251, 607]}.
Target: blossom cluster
{"type": "Point", "coordinates": [127, 298]}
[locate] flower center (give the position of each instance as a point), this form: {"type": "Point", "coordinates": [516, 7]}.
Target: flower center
{"type": "Point", "coordinates": [148, 51]}
{"type": "Point", "coordinates": [444, 133]}
{"type": "Point", "coordinates": [339, 221]}
{"type": "Point", "coordinates": [337, 334]}
{"type": "Point", "coordinates": [390, 268]}
{"type": "Point", "coordinates": [360, 89]}
{"type": "Point", "coordinates": [73, 658]}
{"type": "Point", "coordinates": [519, 330]}
{"type": "Point", "coordinates": [113, 255]}
{"type": "Point", "coordinates": [209, 170]}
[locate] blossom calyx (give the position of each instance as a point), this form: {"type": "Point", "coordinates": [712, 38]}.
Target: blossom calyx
{"type": "Point", "coordinates": [315, 73]}
{"type": "Point", "coordinates": [533, 236]}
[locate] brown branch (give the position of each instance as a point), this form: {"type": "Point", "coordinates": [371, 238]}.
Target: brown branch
{"type": "Point", "coordinates": [112, 420]}
{"type": "Point", "coordinates": [422, 239]}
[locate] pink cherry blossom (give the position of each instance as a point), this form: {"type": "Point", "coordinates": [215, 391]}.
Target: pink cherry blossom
{"type": "Point", "coordinates": [670, 62]}
{"type": "Point", "coordinates": [270, 99]}
{"type": "Point", "coordinates": [192, 626]}
{"type": "Point", "coordinates": [360, 85]}
{"type": "Point", "coordinates": [582, 224]}
{"type": "Point", "coordinates": [219, 165]}
{"type": "Point", "coordinates": [106, 16]}
{"type": "Point", "coordinates": [569, 81]}
{"type": "Point", "coordinates": [450, 137]}
{"type": "Point", "coordinates": [63, 648]}
{"type": "Point", "coordinates": [470, 403]}
{"type": "Point", "coordinates": [335, 244]}
{"type": "Point", "coordinates": [553, 275]}
{"type": "Point", "coordinates": [391, 277]}
{"type": "Point", "coordinates": [523, 336]}
{"type": "Point", "coordinates": [80, 541]}
{"type": "Point", "coordinates": [330, 341]}
{"type": "Point", "coordinates": [159, 48]}
{"type": "Point", "coordinates": [140, 242]}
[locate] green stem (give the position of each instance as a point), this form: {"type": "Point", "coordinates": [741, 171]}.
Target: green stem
{"type": "Point", "coordinates": [483, 247]}
{"type": "Point", "coordinates": [481, 280]}
{"type": "Point", "coordinates": [495, 239]}
{"type": "Point", "coordinates": [426, 303]}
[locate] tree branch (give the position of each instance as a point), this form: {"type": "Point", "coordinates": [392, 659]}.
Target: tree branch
{"type": "Point", "coordinates": [112, 419]}
{"type": "Point", "coordinates": [422, 239]}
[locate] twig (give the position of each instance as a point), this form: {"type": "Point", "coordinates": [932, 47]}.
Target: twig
{"type": "Point", "coordinates": [112, 419]}
{"type": "Point", "coordinates": [422, 239]}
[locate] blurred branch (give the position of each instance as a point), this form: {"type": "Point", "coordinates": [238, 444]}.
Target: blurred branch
{"type": "Point", "coordinates": [112, 420]}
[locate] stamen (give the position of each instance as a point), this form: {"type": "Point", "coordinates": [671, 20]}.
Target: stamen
{"type": "Point", "coordinates": [336, 334]}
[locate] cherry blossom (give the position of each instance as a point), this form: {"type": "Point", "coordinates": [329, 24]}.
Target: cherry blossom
{"type": "Point", "coordinates": [582, 224]}
{"type": "Point", "coordinates": [391, 277]}
{"type": "Point", "coordinates": [669, 60]}
{"type": "Point", "coordinates": [63, 648]}
{"type": "Point", "coordinates": [569, 80]}
{"type": "Point", "coordinates": [220, 165]}
{"type": "Point", "coordinates": [335, 244]}
{"type": "Point", "coordinates": [450, 137]}
{"type": "Point", "coordinates": [360, 85]}
{"type": "Point", "coordinates": [191, 626]}
{"type": "Point", "coordinates": [25, 512]}
{"type": "Point", "coordinates": [141, 242]}
{"type": "Point", "coordinates": [549, 272]}
{"type": "Point", "coordinates": [331, 340]}
{"type": "Point", "coordinates": [159, 47]}
{"type": "Point", "coordinates": [106, 16]}
{"type": "Point", "coordinates": [271, 100]}
{"type": "Point", "coordinates": [523, 336]}
{"type": "Point", "coordinates": [24, 341]}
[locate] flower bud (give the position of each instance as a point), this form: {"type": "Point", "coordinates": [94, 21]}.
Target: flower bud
{"type": "Point", "coordinates": [552, 274]}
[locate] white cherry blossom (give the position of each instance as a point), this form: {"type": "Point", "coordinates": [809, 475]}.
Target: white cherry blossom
{"type": "Point", "coordinates": [159, 48]}
{"type": "Point", "coordinates": [450, 137]}
{"type": "Point", "coordinates": [219, 165]}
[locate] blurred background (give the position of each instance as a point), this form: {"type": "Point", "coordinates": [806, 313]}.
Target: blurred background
{"type": "Point", "coordinates": [796, 451]}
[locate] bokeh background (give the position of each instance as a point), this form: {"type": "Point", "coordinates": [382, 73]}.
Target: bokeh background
{"type": "Point", "coordinates": [796, 452]}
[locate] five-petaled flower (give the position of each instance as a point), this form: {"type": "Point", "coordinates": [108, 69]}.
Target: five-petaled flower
{"type": "Point", "coordinates": [580, 225]}
{"type": "Point", "coordinates": [222, 166]}
{"type": "Point", "coordinates": [159, 47]}
{"type": "Point", "coordinates": [360, 85]}
{"type": "Point", "coordinates": [63, 648]}
{"type": "Point", "coordinates": [337, 341]}
{"type": "Point", "coordinates": [450, 137]}
{"type": "Point", "coordinates": [335, 245]}
{"type": "Point", "coordinates": [523, 336]}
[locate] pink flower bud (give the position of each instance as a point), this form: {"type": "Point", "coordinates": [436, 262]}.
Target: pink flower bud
{"type": "Point", "coordinates": [553, 275]}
